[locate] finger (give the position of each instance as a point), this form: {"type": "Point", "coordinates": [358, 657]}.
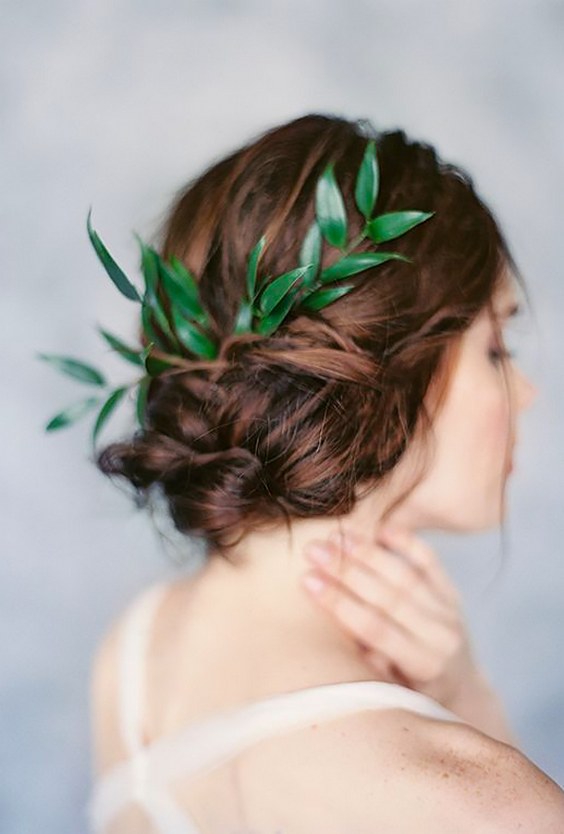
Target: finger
{"type": "Point", "coordinates": [380, 665]}
{"type": "Point", "coordinates": [422, 555]}
{"type": "Point", "coordinates": [364, 622]}
{"type": "Point", "coordinates": [367, 588]}
{"type": "Point", "coordinates": [402, 576]}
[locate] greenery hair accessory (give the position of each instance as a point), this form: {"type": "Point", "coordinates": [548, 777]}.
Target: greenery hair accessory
{"type": "Point", "coordinates": [183, 322]}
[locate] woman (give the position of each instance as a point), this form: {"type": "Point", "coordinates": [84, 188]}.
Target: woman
{"type": "Point", "coordinates": [237, 700]}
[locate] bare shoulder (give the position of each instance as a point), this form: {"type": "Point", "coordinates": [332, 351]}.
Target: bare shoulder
{"type": "Point", "coordinates": [488, 786]}
{"type": "Point", "coordinates": [395, 770]}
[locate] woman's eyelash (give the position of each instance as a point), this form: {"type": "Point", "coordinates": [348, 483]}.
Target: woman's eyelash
{"type": "Point", "coordinates": [497, 353]}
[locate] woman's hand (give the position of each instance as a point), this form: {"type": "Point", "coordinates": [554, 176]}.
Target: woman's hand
{"type": "Point", "coordinates": [394, 597]}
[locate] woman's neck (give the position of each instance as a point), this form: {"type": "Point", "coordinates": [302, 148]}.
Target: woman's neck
{"type": "Point", "coordinates": [263, 581]}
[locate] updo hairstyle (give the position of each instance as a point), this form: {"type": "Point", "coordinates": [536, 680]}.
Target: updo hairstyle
{"type": "Point", "coordinates": [296, 424]}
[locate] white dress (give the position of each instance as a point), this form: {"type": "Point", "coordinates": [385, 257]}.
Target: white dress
{"type": "Point", "coordinates": [144, 776]}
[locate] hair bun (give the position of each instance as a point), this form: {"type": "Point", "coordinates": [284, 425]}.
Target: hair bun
{"type": "Point", "coordinates": [208, 489]}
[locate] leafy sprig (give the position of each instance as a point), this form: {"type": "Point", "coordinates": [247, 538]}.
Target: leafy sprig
{"type": "Point", "coordinates": [182, 323]}
{"type": "Point", "coordinates": [308, 289]}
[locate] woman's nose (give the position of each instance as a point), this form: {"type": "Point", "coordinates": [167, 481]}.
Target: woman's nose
{"type": "Point", "coordinates": [526, 391]}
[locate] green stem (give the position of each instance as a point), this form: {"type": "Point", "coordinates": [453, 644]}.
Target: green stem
{"type": "Point", "coordinates": [354, 243]}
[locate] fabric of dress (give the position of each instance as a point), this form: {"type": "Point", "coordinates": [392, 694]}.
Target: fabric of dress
{"type": "Point", "coordinates": [143, 777]}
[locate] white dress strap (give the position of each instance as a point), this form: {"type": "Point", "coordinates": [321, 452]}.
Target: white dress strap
{"type": "Point", "coordinates": [160, 807]}
{"type": "Point", "coordinates": [132, 665]}
{"type": "Point", "coordinates": [211, 742]}
{"type": "Point", "coordinates": [207, 744]}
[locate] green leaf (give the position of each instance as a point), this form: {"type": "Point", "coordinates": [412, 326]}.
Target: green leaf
{"type": "Point", "coordinates": [310, 252]}
{"type": "Point", "coordinates": [395, 223]}
{"type": "Point", "coordinates": [269, 323]}
{"type": "Point", "coordinates": [146, 351]}
{"type": "Point", "coordinates": [75, 368]}
{"type": "Point", "coordinates": [151, 304]}
{"type": "Point", "coordinates": [71, 414]}
{"type": "Point", "coordinates": [150, 261]}
{"type": "Point", "coordinates": [117, 275]}
{"type": "Point", "coordinates": [353, 264]}
{"type": "Point", "coordinates": [192, 338]}
{"type": "Point", "coordinates": [152, 365]}
{"type": "Point", "coordinates": [252, 268]}
{"type": "Point", "coordinates": [148, 328]}
{"type": "Point", "coordinates": [367, 181]}
{"type": "Point", "coordinates": [330, 209]}
{"type": "Point", "coordinates": [276, 291]}
{"type": "Point", "coordinates": [244, 320]}
{"type": "Point", "coordinates": [149, 267]}
{"type": "Point", "coordinates": [141, 400]}
{"type": "Point", "coordinates": [181, 295]}
{"type": "Point", "coordinates": [162, 321]}
{"type": "Point", "coordinates": [130, 354]}
{"type": "Point", "coordinates": [188, 282]}
{"type": "Point", "coordinates": [106, 410]}
{"type": "Point", "coordinates": [320, 298]}
{"type": "Point", "coordinates": [155, 367]}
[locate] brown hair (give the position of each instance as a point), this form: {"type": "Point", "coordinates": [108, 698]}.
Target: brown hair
{"type": "Point", "coordinates": [291, 425]}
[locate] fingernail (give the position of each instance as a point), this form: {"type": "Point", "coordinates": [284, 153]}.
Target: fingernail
{"type": "Point", "coordinates": [319, 554]}
{"type": "Point", "coordinates": [313, 583]}
{"type": "Point", "coordinates": [345, 542]}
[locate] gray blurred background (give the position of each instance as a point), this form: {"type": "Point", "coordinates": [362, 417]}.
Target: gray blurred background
{"type": "Point", "coordinates": [116, 105]}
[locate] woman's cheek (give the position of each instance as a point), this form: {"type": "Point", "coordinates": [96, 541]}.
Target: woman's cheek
{"type": "Point", "coordinates": [498, 448]}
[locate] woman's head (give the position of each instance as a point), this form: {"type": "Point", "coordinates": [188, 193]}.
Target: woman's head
{"type": "Point", "coordinates": [301, 423]}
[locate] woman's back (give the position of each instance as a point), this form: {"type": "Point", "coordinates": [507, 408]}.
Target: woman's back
{"type": "Point", "coordinates": [297, 754]}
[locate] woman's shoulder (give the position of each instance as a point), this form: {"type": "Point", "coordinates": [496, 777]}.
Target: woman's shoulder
{"type": "Point", "coordinates": [364, 768]}
{"type": "Point", "coordinates": [394, 769]}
